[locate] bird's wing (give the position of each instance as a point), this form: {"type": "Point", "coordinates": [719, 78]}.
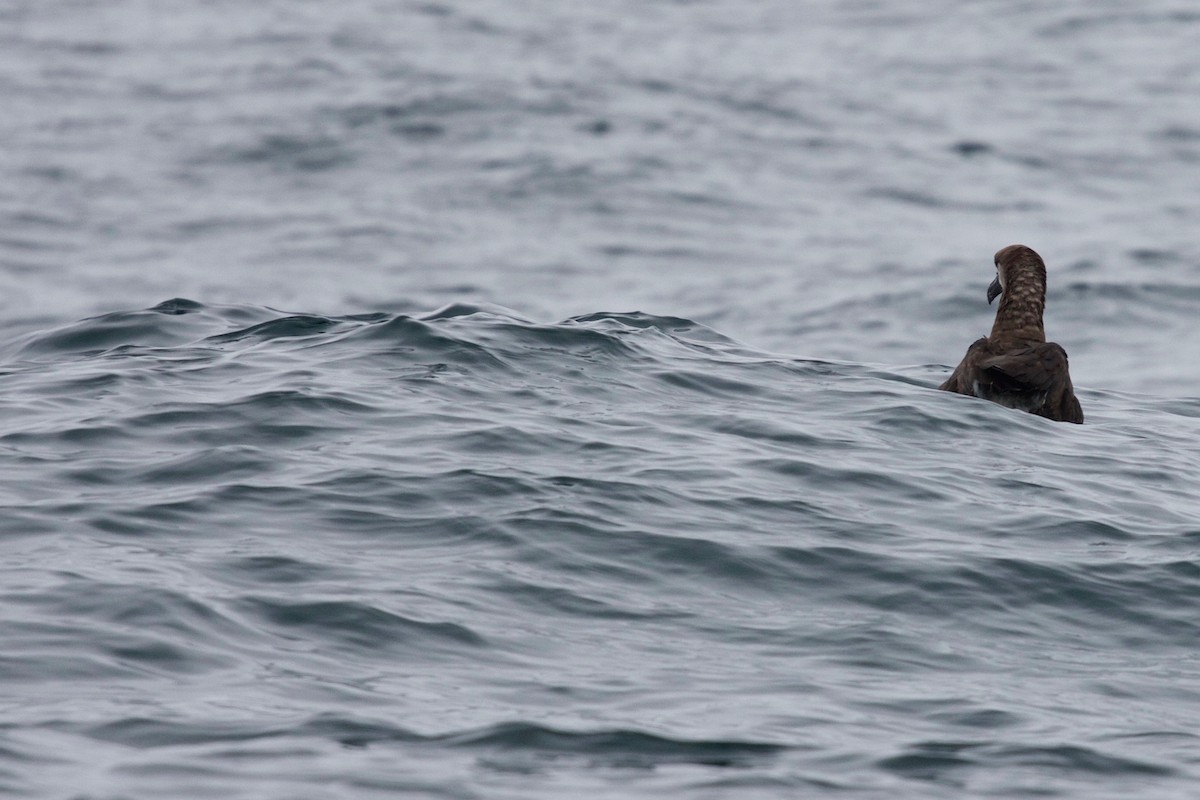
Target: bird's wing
{"type": "Point", "coordinates": [958, 380]}
{"type": "Point", "coordinates": [1037, 369]}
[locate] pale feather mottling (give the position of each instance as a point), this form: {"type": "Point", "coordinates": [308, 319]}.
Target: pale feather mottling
{"type": "Point", "coordinates": [1022, 305]}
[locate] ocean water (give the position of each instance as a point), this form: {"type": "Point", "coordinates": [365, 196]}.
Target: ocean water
{"type": "Point", "coordinates": [536, 400]}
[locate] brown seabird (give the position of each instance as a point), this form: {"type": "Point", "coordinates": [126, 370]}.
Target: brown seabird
{"type": "Point", "coordinates": [1015, 366]}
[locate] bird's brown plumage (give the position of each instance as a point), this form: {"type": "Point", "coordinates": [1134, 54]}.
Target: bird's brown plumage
{"type": "Point", "coordinates": [1015, 366]}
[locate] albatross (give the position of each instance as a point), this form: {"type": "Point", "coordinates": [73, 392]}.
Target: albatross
{"type": "Point", "coordinates": [1014, 365]}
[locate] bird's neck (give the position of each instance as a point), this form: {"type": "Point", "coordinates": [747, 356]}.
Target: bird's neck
{"type": "Point", "coordinates": [1020, 314]}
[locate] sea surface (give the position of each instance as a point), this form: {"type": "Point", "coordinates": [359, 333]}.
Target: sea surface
{"type": "Point", "coordinates": [535, 400]}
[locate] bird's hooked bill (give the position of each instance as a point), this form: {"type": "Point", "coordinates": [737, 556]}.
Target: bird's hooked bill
{"type": "Point", "coordinates": [994, 290]}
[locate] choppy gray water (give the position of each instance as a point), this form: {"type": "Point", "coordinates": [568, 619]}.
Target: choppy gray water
{"type": "Point", "coordinates": [460, 524]}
